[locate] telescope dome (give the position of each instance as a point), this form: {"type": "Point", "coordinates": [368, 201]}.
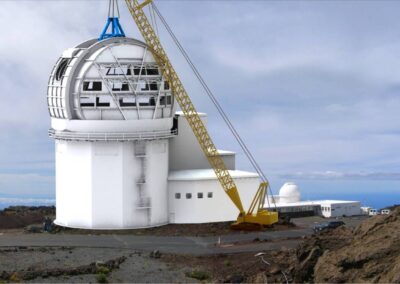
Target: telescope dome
{"type": "Point", "coordinates": [112, 79]}
{"type": "Point", "coordinates": [289, 193]}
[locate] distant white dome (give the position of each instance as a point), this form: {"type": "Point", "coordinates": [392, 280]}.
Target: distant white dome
{"type": "Point", "coordinates": [289, 193]}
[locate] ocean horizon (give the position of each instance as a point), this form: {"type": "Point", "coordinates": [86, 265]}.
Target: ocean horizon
{"type": "Point", "coordinates": [371, 199]}
{"type": "Point", "coordinates": [20, 201]}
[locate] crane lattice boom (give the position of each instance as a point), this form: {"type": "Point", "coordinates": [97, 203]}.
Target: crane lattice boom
{"type": "Point", "coordinates": [262, 216]}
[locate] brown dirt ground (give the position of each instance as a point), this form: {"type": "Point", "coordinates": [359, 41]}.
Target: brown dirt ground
{"type": "Point", "coordinates": [21, 216]}
{"type": "Point", "coordinates": [371, 255]}
{"type": "Point", "coordinates": [237, 268]}
{"type": "Point", "coordinates": [209, 229]}
{"type": "Point", "coordinates": [367, 253]}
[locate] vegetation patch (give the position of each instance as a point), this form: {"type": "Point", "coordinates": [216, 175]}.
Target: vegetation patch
{"type": "Point", "coordinates": [198, 274]}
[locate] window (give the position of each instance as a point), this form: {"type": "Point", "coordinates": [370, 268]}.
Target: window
{"type": "Point", "coordinates": [62, 67]}
{"type": "Point", "coordinates": [152, 101]}
{"type": "Point", "coordinates": [92, 86]}
{"type": "Point", "coordinates": [145, 86]}
{"type": "Point", "coordinates": [123, 70]}
{"type": "Point", "coordinates": [188, 195]}
{"type": "Point", "coordinates": [144, 102]}
{"type": "Point", "coordinates": [210, 195]}
{"type": "Point", "coordinates": [153, 86]}
{"type": "Point", "coordinates": [102, 104]}
{"type": "Point", "coordinates": [199, 195]}
{"type": "Point", "coordinates": [177, 196]}
{"type": "Point", "coordinates": [87, 102]}
{"type": "Point", "coordinates": [152, 71]}
{"type": "Point", "coordinates": [162, 101]}
{"type": "Point", "coordinates": [120, 87]}
{"type": "Point", "coordinates": [166, 85]}
{"type": "Point", "coordinates": [166, 100]}
{"type": "Point", "coordinates": [127, 102]}
{"type": "Point", "coordinates": [136, 70]}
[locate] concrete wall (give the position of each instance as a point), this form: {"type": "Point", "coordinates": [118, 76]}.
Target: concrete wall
{"type": "Point", "coordinates": [97, 184]}
{"type": "Point", "coordinates": [186, 153]}
{"type": "Point", "coordinates": [218, 208]}
{"type": "Point", "coordinates": [73, 184]}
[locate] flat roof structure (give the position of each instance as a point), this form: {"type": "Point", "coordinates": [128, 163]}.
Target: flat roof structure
{"type": "Point", "coordinates": [206, 174]}
{"type": "Point", "coordinates": [313, 202]}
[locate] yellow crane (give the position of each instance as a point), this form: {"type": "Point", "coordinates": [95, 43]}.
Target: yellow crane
{"type": "Point", "coordinates": [256, 214]}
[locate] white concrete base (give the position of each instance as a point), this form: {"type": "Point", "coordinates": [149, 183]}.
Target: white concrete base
{"type": "Point", "coordinates": [97, 185]}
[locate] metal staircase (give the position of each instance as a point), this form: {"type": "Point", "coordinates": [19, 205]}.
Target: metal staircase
{"type": "Point", "coordinates": [144, 201]}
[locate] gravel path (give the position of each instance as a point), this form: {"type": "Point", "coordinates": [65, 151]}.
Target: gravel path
{"type": "Point", "coordinates": [42, 262]}
{"type": "Point", "coordinates": [178, 245]}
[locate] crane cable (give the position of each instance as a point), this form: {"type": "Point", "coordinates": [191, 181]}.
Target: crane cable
{"type": "Point", "coordinates": [216, 103]}
{"type": "Point", "coordinates": [112, 8]}
{"type": "Point", "coordinates": [153, 20]}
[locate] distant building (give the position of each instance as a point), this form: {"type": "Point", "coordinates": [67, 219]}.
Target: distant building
{"type": "Point", "coordinates": [365, 210]}
{"type": "Point", "coordinates": [289, 202]}
{"type": "Point", "coordinates": [338, 208]}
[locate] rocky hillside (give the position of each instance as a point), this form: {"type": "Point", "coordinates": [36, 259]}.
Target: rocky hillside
{"type": "Point", "coordinates": [373, 254]}
{"type": "Point", "coordinates": [369, 253]}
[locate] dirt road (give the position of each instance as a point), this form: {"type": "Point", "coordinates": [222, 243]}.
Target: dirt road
{"type": "Point", "coordinates": [177, 245]}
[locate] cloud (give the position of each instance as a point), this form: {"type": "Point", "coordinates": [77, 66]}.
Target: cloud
{"type": "Point", "coordinates": [332, 175]}
{"type": "Point", "coordinates": [29, 184]}
{"type": "Point", "coordinates": [309, 85]}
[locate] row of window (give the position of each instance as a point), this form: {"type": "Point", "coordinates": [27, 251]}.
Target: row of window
{"type": "Point", "coordinates": [135, 70]}
{"type": "Point", "coordinates": [296, 209]}
{"type": "Point", "coordinates": [327, 209]}
{"type": "Point", "coordinates": [124, 102]}
{"type": "Point", "coordinates": [123, 70]}
{"type": "Point", "coordinates": [189, 195]}
{"type": "Point", "coordinates": [97, 86]}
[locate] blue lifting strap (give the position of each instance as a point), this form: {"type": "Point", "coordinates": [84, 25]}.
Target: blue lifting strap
{"type": "Point", "coordinates": [113, 22]}
{"type": "Point", "coordinates": [116, 29]}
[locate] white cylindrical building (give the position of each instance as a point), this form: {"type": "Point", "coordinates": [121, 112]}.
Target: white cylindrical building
{"type": "Point", "coordinates": [112, 116]}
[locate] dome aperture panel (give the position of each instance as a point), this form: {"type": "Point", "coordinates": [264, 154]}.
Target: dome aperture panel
{"type": "Point", "coordinates": [115, 79]}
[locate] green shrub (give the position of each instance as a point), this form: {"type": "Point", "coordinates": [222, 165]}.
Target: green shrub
{"type": "Point", "coordinates": [198, 274]}
{"type": "Point", "coordinates": [14, 278]}
{"type": "Point", "coordinates": [102, 270]}
{"type": "Point", "coordinates": [227, 263]}
{"type": "Point", "coordinates": [101, 278]}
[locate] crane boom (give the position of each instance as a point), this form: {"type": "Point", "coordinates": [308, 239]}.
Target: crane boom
{"type": "Point", "coordinates": [185, 102]}
{"type": "Point", "coordinates": [261, 217]}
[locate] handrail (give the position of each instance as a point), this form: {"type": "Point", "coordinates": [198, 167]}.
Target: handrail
{"type": "Point", "coordinates": [111, 136]}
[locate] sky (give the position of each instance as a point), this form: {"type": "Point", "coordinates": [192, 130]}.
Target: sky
{"type": "Point", "coordinates": [311, 86]}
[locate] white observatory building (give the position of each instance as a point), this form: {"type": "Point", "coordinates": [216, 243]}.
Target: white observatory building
{"type": "Point", "coordinates": [288, 201]}
{"type": "Point", "coordinates": [124, 157]}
